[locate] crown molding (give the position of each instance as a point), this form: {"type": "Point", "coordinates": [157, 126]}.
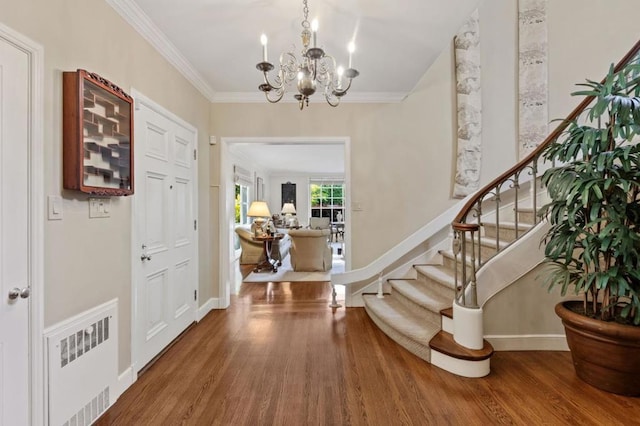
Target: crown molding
{"type": "Point", "coordinates": [135, 16]}
{"type": "Point", "coordinates": [351, 98]}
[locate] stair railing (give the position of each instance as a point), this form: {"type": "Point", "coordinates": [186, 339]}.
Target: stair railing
{"type": "Point", "coordinates": [467, 226]}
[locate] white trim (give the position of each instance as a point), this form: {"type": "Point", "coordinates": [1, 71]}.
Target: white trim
{"type": "Point", "coordinates": [226, 182]}
{"type": "Point", "coordinates": [135, 16]}
{"type": "Point", "coordinates": [35, 52]}
{"type": "Point", "coordinates": [529, 342]}
{"type": "Point", "coordinates": [207, 307]}
{"type": "Point", "coordinates": [402, 248]}
{"type": "Point", "coordinates": [140, 98]}
{"type": "Point", "coordinates": [461, 367]}
{"type": "Point", "coordinates": [405, 270]}
{"type": "Point", "coordinates": [350, 98]}
{"type": "Point", "coordinates": [125, 380]}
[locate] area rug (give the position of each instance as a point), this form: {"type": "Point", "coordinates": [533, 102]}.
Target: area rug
{"type": "Point", "coordinates": [286, 273]}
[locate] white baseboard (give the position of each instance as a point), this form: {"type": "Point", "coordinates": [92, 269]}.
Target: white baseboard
{"type": "Point", "coordinates": [208, 306]}
{"type": "Point", "coordinates": [530, 342]}
{"type": "Point", "coordinates": [125, 380]}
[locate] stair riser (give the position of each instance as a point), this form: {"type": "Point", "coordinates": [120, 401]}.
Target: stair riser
{"type": "Point", "coordinates": [418, 310]}
{"type": "Point", "coordinates": [506, 234]}
{"type": "Point", "coordinates": [526, 217]}
{"type": "Point", "coordinates": [487, 251]}
{"type": "Point", "coordinates": [441, 289]}
{"type": "Point", "coordinates": [450, 263]}
{"type": "Point", "coordinates": [418, 349]}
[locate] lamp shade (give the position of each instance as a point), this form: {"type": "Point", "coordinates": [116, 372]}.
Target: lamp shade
{"type": "Point", "coordinates": [259, 209]}
{"type": "Point", "coordinates": [288, 208]}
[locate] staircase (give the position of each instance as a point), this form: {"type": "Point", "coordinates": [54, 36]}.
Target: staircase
{"type": "Point", "coordinates": [417, 312]}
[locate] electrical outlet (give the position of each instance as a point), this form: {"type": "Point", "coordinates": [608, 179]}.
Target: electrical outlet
{"type": "Point", "coordinates": [99, 207]}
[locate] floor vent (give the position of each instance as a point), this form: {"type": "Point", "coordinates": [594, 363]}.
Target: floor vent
{"type": "Point", "coordinates": [82, 366]}
{"type": "Point", "coordinates": [90, 412]}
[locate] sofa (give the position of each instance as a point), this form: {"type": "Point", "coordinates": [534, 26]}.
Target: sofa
{"type": "Point", "coordinates": [310, 249]}
{"type": "Point", "coordinates": [253, 251]}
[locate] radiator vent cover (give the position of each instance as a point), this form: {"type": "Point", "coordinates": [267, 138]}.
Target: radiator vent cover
{"type": "Point", "coordinates": [82, 360]}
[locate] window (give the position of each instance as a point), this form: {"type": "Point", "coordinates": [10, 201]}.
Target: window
{"type": "Point", "coordinates": [327, 199]}
{"type": "Point", "coordinates": [242, 207]}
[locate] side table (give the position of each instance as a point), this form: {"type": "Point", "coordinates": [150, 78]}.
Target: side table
{"type": "Point", "coordinates": [269, 264]}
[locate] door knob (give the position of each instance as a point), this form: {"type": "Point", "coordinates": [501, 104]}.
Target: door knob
{"type": "Point", "coordinates": [15, 292]}
{"type": "Point", "coordinates": [145, 257]}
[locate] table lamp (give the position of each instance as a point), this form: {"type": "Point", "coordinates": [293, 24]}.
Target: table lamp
{"type": "Point", "coordinates": [258, 210]}
{"type": "Point", "coordinates": [288, 210]}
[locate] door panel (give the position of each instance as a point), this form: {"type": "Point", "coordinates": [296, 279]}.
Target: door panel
{"type": "Point", "coordinates": [164, 249]}
{"type": "Point", "coordinates": [14, 234]}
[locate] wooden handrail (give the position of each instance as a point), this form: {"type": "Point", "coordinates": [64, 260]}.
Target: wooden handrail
{"type": "Point", "coordinates": [459, 221]}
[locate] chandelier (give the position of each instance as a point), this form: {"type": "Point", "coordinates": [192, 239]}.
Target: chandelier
{"type": "Point", "coordinates": [314, 69]}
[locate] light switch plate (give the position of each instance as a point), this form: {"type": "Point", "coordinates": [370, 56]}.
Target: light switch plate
{"type": "Point", "coordinates": [54, 207]}
{"type": "Point", "coordinates": [99, 207]}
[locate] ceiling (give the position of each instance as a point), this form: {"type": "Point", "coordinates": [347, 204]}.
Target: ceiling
{"type": "Point", "coordinates": [216, 43]}
{"type": "Point", "coordinates": [291, 159]}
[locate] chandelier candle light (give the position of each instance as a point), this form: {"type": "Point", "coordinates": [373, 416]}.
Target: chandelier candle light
{"type": "Point", "coordinates": [315, 68]}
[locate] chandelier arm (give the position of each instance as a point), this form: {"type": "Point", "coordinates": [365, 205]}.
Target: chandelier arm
{"type": "Point", "coordinates": [330, 99]}
{"type": "Point", "coordinates": [342, 92]}
{"type": "Point", "coordinates": [273, 86]}
{"type": "Point", "coordinates": [277, 99]}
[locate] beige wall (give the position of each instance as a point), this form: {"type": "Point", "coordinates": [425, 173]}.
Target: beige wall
{"type": "Point", "coordinates": [401, 158]}
{"type": "Point", "coordinates": [392, 151]}
{"type": "Point", "coordinates": [581, 45]}
{"type": "Point", "coordinates": [88, 262]}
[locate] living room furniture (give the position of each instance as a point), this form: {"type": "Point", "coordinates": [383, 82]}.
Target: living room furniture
{"type": "Point", "coordinates": [319, 222]}
{"type": "Point", "coordinates": [259, 210]}
{"type": "Point", "coordinates": [268, 263]}
{"type": "Point", "coordinates": [253, 251]}
{"type": "Point", "coordinates": [310, 250]}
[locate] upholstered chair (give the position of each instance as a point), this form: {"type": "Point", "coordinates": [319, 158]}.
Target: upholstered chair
{"type": "Point", "coordinates": [310, 249]}
{"type": "Point", "coordinates": [319, 223]}
{"type": "Point", "coordinates": [253, 251]}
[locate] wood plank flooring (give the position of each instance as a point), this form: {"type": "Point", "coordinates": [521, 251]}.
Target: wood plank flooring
{"type": "Point", "coordinates": [280, 356]}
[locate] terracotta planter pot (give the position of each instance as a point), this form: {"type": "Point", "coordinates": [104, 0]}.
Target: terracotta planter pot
{"type": "Point", "coordinates": [605, 354]}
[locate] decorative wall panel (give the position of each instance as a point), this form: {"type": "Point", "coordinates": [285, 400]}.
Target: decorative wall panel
{"type": "Point", "coordinates": [533, 81]}
{"type": "Point", "coordinates": [469, 107]}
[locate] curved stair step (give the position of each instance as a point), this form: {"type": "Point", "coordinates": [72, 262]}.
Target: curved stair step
{"type": "Point", "coordinates": [401, 324]}
{"type": "Point", "coordinates": [438, 274]}
{"type": "Point", "coordinates": [449, 355]}
{"type": "Point", "coordinates": [422, 295]}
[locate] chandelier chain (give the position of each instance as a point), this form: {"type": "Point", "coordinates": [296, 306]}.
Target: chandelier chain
{"type": "Point", "coordinates": [305, 10]}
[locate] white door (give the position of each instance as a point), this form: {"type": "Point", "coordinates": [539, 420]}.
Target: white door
{"type": "Point", "coordinates": [14, 234]}
{"type": "Point", "coordinates": [165, 232]}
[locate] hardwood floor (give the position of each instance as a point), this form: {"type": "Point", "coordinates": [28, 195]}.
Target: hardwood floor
{"type": "Point", "coordinates": [280, 356]}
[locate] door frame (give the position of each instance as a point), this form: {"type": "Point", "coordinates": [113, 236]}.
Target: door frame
{"type": "Point", "coordinates": [35, 53]}
{"type": "Point", "coordinates": [139, 99]}
{"type": "Point", "coordinates": [226, 200]}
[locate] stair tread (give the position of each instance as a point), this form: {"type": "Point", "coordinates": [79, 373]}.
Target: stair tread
{"type": "Point", "coordinates": [421, 294]}
{"type": "Point", "coordinates": [443, 342]}
{"type": "Point", "coordinates": [509, 225]}
{"type": "Point", "coordinates": [490, 242]}
{"type": "Point", "coordinates": [447, 312]}
{"type": "Point", "coordinates": [438, 273]}
{"type": "Point", "coordinates": [400, 318]}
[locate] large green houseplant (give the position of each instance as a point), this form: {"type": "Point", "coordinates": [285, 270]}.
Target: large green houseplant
{"type": "Point", "coordinates": [593, 244]}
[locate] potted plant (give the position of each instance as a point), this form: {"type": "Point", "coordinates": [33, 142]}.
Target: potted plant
{"type": "Point", "coordinates": [593, 244]}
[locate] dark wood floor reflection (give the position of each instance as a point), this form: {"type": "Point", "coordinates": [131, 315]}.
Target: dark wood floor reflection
{"type": "Point", "coordinates": [280, 356]}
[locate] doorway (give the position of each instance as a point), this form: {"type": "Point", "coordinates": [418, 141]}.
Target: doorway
{"type": "Point", "coordinates": [227, 199]}
{"type": "Point", "coordinates": [164, 234]}
{"type": "Point", "coordinates": [22, 232]}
